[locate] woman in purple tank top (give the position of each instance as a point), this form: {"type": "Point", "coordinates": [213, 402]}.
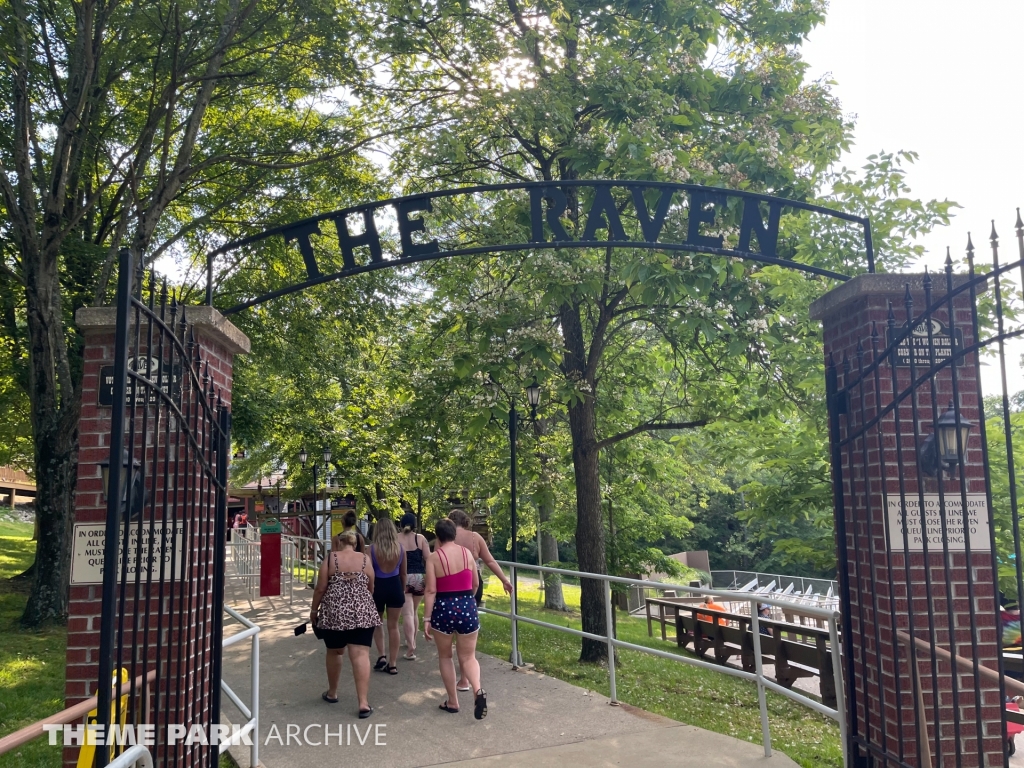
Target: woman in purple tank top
{"type": "Point", "coordinates": [389, 570]}
{"type": "Point", "coordinates": [450, 614]}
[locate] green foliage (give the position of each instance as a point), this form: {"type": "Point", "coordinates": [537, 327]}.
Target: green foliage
{"type": "Point", "coordinates": [31, 663]}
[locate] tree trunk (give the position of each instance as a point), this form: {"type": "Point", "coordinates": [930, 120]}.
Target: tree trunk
{"type": "Point", "coordinates": [55, 405]}
{"type": "Point", "coordinates": [585, 454]}
{"type": "Point", "coordinates": [553, 598]}
{"type": "Point", "coordinates": [589, 530]}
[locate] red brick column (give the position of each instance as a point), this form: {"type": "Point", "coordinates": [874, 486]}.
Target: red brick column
{"type": "Point", "coordinates": [217, 341]}
{"type": "Point", "coordinates": [880, 466]}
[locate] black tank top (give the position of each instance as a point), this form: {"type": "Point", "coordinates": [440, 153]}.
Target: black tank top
{"type": "Point", "coordinates": [414, 559]}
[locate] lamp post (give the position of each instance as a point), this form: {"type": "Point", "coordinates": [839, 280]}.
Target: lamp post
{"type": "Point", "coordinates": [303, 456]}
{"type": "Point", "coordinates": [514, 422]}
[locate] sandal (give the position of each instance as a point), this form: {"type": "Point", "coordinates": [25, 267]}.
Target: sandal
{"type": "Point", "coordinates": [392, 670]}
{"type": "Point", "coordinates": [365, 713]}
{"type": "Point", "coordinates": [467, 688]}
{"type": "Point", "coordinates": [446, 708]}
{"type": "Point", "coordinates": [480, 706]}
{"type": "Point", "coordinates": [409, 657]}
{"type": "Point", "coordinates": [327, 698]}
{"type": "Point", "coordinates": [382, 664]}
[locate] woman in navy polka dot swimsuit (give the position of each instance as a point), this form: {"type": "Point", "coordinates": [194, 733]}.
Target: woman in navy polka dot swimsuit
{"type": "Point", "coordinates": [450, 612]}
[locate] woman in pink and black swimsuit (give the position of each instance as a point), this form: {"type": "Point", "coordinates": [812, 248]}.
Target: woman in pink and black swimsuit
{"type": "Point", "coordinates": [450, 610]}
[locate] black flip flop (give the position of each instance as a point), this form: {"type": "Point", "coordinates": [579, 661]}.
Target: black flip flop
{"type": "Point", "coordinates": [480, 705]}
{"type": "Point", "coordinates": [392, 670]}
{"type": "Point", "coordinates": [382, 664]}
{"type": "Point", "coordinates": [448, 709]}
{"type": "Point", "coordinates": [365, 713]}
{"type": "Point", "coordinates": [327, 698]}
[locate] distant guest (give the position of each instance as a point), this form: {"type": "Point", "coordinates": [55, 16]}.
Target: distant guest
{"type": "Point", "coordinates": [709, 601]}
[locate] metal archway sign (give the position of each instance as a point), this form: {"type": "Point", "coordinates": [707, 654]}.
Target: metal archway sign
{"type": "Point", "coordinates": [621, 214]}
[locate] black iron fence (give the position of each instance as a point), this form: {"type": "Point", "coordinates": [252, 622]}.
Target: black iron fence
{"type": "Point", "coordinates": [927, 440]}
{"type": "Point", "coordinates": [166, 519]}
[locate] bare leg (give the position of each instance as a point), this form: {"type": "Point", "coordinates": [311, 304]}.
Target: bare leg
{"type": "Point", "coordinates": [446, 665]}
{"type": "Point", "coordinates": [334, 663]}
{"type": "Point", "coordinates": [359, 655]}
{"type": "Point", "coordinates": [393, 634]}
{"type": "Point", "coordinates": [465, 646]}
{"type": "Point", "coordinates": [463, 684]}
{"type": "Point", "coordinates": [378, 640]}
{"type": "Point", "coordinates": [410, 619]}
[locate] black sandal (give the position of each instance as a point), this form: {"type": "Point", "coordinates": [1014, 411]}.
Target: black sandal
{"type": "Point", "coordinates": [365, 713]}
{"type": "Point", "coordinates": [327, 698]}
{"type": "Point", "coordinates": [448, 709]}
{"type": "Point", "coordinates": [382, 664]}
{"type": "Point", "coordinates": [480, 705]}
{"type": "Point", "coordinates": [392, 670]}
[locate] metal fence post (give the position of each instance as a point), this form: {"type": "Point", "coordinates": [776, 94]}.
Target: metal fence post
{"type": "Point", "coordinates": [516, 659]}
{"type": "Point", "coordinates": [254, 750]}
{"type": "Point", "coordinates": [611, 646]}
{"type": "Point", "coordinates": [837, 673]}
{"type": "Point", "coordinates": [762, 702]}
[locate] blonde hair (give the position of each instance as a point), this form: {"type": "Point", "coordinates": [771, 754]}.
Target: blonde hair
{"type": "Point", "coordinates": [344, 539]}
{"type": "Point", "coordinates": [385, 540]}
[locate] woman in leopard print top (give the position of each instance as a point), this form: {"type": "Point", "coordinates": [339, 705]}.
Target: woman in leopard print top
{"type": "Point", "coordinates": [343, 614]}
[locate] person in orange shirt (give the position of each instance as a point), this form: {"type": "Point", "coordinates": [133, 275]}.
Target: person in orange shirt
{"type": "Point", "coordinates": [709, 601]}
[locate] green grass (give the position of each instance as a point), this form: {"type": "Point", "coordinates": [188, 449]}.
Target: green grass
{"type": "Point", "coordinates": [31, 663]}
{"type": "Point", "coordinates": [681, 692]}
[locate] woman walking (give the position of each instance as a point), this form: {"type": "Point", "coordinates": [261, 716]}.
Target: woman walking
{"type": "Point", "coordinates": [343, 615]}
{"type": "Point", "coordinates": [388, 558]}
{"type": "Point", "coordinates": [416, 553]}
{"type": "Point", "coordinates": [451, 615]}
{"type": "Point", "coordinates": [348, 523]}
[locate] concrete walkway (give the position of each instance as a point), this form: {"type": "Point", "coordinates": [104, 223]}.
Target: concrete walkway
{"type": "Point", "coordinates": [533, 720]}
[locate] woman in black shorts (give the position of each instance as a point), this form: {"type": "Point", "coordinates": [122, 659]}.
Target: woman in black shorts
{"type": "Point", "coordinates": [343, 614]}
{"type": "Point", "coordinates": [388, 560]}
{"type": "Point", "coordinates": [416, 553]}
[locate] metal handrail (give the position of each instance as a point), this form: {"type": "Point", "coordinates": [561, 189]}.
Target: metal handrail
{"type": "Point", "coordinates": [132, 757]}
{"type": "Point", "coordinates": [251, 714]}
{"type": "Point", "coordinates": [69, 715]}
{"type": "Point", "coordinates": [832, 618]}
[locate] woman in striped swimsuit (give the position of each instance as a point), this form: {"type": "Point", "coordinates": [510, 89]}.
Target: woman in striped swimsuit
{"type": "Point", "coordinates": [450, 612]}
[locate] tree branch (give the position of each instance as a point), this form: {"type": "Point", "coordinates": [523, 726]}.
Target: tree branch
{"type": "Point", "coordinates": [649, 427]}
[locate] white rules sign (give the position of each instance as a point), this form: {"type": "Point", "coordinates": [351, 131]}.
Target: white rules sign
{"type": "Point", "coordinates": [959, 530]}
{"type": "Point", "coordinates": [146, 553]}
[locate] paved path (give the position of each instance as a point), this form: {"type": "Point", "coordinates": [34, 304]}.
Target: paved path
{"type": "Point", "coordinates": [533, 720]}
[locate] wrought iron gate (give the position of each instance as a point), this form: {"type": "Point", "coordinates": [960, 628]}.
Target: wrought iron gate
{"type": "Point", "coordinates": [925, 466]}
{"type": "Point", "coordinates": [166, 487]}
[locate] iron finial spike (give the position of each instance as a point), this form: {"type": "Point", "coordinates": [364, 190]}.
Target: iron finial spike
{"type": "Point", "coordinates": [846, 363]}
{"type": "Point", "coordinates": [1020, 223]}
{"type": "Point", "coordinates": [970, 245]}
{"type": "Point", "coordinates": [860, 350]}
{"type": "Point", "coordinates": [874, 330]}
{"type": "Point", "coordinates": [949, 260]}
{"type": "Point", "coordinates": [891, 319]}
{"type": "Point", "coordinates": [993, 236]}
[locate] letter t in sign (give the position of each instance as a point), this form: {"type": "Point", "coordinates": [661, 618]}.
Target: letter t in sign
{"type": "Point", "coordinates": [348, 242]}
{"type": "Point", "coordinates": [301, 232]}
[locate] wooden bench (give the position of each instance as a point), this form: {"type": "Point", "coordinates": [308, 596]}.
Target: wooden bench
{"type": "Point", "coordinates": [807, 656]}
{"type": "Point", "coordinates": [667, 609]}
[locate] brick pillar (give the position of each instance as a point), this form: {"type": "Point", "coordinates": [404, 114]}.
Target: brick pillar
{"type": "Point", "coordinates": [217, 341]}
{"type": "Point", "coordinates": [879, 466]}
